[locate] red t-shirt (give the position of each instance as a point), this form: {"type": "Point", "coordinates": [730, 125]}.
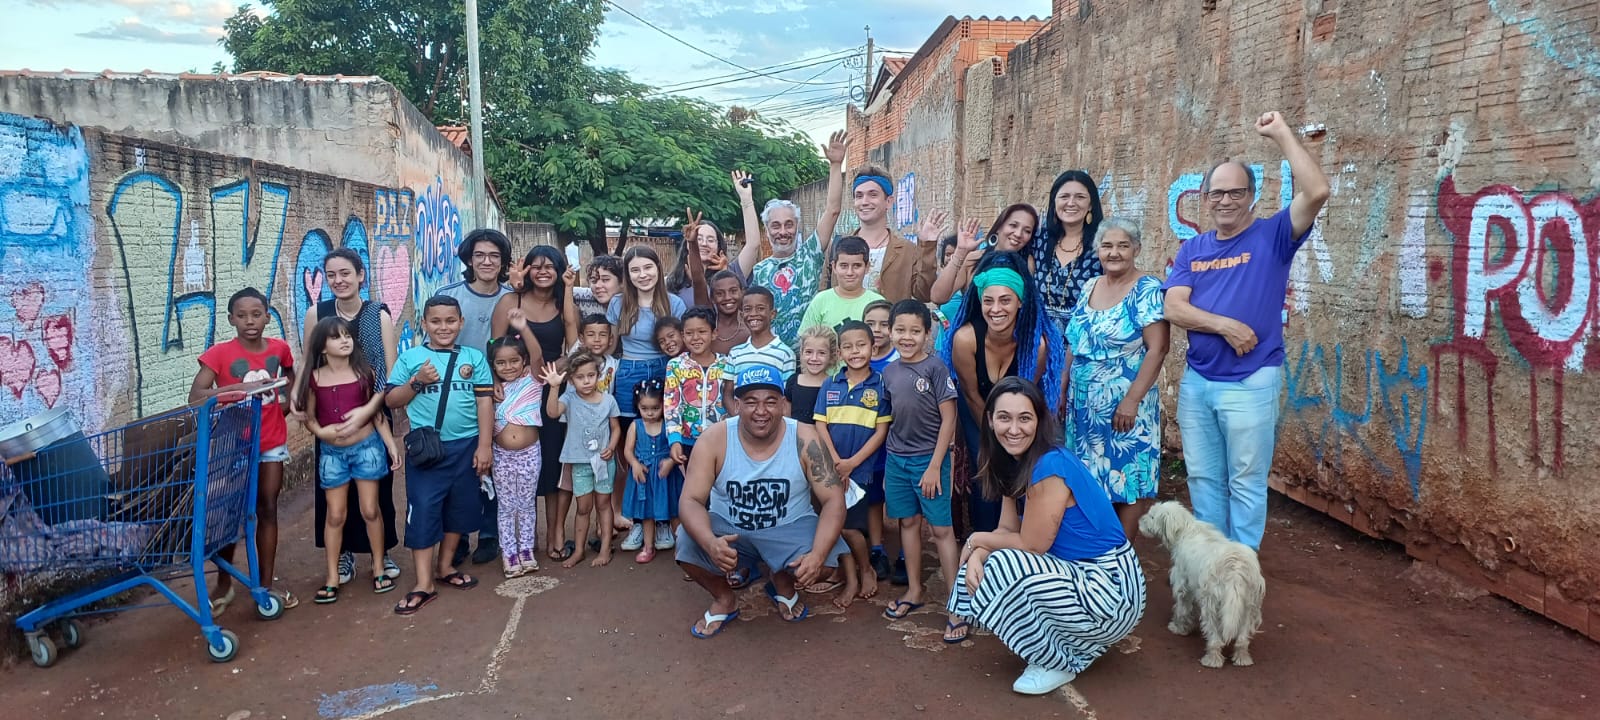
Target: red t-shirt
{"type": "Point", "coordinates": [233, 364]}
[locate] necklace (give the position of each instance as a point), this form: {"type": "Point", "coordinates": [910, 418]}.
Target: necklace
{"type": "Point", "coordinates": [882, 243]}
{"type": "Point", "coordinates": [344, 315]}
{"type": "Point", "coordinates": [730, 337]}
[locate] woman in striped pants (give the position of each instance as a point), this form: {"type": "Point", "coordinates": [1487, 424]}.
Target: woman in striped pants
{"type": "Point", "coordinates": [1058, 581]}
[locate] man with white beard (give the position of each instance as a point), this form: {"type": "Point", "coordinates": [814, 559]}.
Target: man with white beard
{"type": "Point", "coordinates": [794, 271]}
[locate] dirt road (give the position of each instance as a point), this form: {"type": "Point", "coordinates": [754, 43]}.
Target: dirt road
{"type": "Point", "coordinates": [1348, 633]}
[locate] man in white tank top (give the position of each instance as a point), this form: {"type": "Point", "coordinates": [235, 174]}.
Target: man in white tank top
{"type": "Point", "coordinates": [746, 500]}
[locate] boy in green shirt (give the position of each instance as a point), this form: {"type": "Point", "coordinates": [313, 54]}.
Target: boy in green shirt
{"type": "Point", "coordinates": [847, 299]}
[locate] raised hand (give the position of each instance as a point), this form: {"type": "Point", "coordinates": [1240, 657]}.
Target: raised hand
{"type": "Point", "coordinates": [743, 185]}
{"type": "Point", "coordinates": [967, 236]}
{"type": "Point", "coordinates": [570, 277]}
{"type": "Point", "coordinates": [834, 150]}
{"type": "Point", "coordinates": [517, 319]}
{"type": "Point", "coordinates": [933, 226]}
{"type": "Point", "coordinates": [1272, 125]}
{"type": "Point", "coordinates": [519, 274]}
{"type": "Point", "coordinates": [552, 376]}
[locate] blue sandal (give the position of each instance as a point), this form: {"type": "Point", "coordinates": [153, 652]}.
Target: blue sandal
{"type": "Point", "coordinates": [950, 627]}
{"type": "Point", "coordinates": [722, 624]}
{"type": "Point", "coordinates": [895, 611]}
{"type": "Point", "coordinates": [787, 603]}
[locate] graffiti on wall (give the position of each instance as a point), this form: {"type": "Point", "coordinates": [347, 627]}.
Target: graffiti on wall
{"type": "Point", "coordinates": [905, 204]}
{"type": "Point", "coordinates": [437, 234]}
{"type": "Point", "coordinates": [47, 253]}
{"type": "Point", "coordinates": [1333, 417]}
{"type": "Point", "coordinates": [1521, 269]}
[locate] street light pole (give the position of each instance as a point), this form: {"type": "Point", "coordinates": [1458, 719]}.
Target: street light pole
{"type": "Point", "coordinates": [480, 195]}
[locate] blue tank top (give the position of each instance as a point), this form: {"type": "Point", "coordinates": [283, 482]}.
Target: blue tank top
{"type": "Point", "coordinates": [759, 494]}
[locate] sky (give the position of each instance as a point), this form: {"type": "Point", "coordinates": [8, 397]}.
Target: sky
{"type": "Point", "coordinates": [816, 45]}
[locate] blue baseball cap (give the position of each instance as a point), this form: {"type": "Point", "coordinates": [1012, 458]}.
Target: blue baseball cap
{"type": "Point", "coordinates": [756, 376]}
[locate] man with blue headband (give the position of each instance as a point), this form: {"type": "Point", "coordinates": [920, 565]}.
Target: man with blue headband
{"type": "Point", "coordinates": [898, 268]}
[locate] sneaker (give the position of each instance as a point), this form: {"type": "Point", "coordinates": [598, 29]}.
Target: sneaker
{"type": "Point", "coordinates": [512, 565]}
{"type": "Point", "coordinates": [899, 577]}
{"type": "Point", "coordinates": [463, 549]}
{"type": "Point", "coordinates": [390, 568]}
{"type": "Point", "coordinates": [880, 565]}
{"type": "Point", "coordinates": [1037, 680]}
{"type": "Point", "coordinates": [664, 538]}
{"type": "Point", "coordinates": [635, 538]}
{"type": "Point", "coordinates": [488, 550]}
{"type": "Point", "coordinates": [347, 567]}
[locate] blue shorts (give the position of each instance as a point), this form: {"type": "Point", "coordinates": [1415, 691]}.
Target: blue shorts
{"type": "Point", "coordinates": [856, 517]}
{"type": "Point", "coordinates": [631, 373]}
{"type": "Point", "coordinates": [444, 498]}
{"type": "Point", "coordinates": [902, 489]}
{"type": "Point", "coordinates": [584, 482]}
{"type": "Point", "coordinates": [365, 460]}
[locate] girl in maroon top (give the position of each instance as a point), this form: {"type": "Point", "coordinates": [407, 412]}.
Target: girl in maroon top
{"type": "Point", "coordinates": [249, 361]}
{"type": "Point", "coordinates": [338, 385]}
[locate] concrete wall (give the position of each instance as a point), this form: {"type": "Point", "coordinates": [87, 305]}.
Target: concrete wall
{"type": "Point", "coordinates": [1439, 386]}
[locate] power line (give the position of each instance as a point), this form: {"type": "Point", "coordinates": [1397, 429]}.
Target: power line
{"type": "Point", "coordinates": [687, 44]}
{"type": "Point", "coordinates": [747, 78]}
{"type": "Point", "coordinates": [791, 87]}
{"type": "Point", "coordinates": [777, 67]}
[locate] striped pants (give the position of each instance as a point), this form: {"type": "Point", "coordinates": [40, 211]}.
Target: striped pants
{"type": "Point", "coordinates": [1054, 613]}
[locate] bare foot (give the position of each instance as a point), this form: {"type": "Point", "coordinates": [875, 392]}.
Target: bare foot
{"type": "Point", "coordinates": [869, 584]}
{"type": "Point", "coordinates": [577, 557]}
{"type": "Point", "coordinates": [621, 524]}
{"type": "Point", "coordinates": [603, 559]}
{"type": "Point", "coordinates": [846, 596]}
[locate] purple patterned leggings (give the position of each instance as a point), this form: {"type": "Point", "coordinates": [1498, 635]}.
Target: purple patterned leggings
{"type": "Point", "coordinates": [516, 480]}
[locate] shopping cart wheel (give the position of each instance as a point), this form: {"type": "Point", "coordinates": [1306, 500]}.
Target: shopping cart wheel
{"type": "Point", "coordinates": [230, 648]}
{"type": "Point", "coordinates": [71, 634]}
{"type": "Point", "coordinates": [272, 609]}
{"type": "Point", "coordinates": [43, 650]}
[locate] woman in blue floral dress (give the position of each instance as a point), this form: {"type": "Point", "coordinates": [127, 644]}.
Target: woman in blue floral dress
{"type": "Point", "coordinates": [1118, 339]}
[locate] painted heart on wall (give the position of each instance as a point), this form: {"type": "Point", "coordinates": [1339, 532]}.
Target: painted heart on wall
{"type": "Point", "coordinates": [16, 365]}
{"type": "Point", "coordinates": [28, 301]}
{"type": "Point", "coordinates": [392, 267]}
{"type": "Point", "coordinates": [58, 334]}
{"type": "Point", "coordinates": [48, 384]}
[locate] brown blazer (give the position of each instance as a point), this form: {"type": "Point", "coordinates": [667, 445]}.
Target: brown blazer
{"type": "Point", "coordinates": [908, 269]}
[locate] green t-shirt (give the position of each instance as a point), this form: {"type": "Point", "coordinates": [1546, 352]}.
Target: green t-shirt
{"type": "Point", "coordinates": [471, 375]}
{"type": "Point", "coordinates": [828, 309]}
{"type": "Point", "coordinates": [793, 281]}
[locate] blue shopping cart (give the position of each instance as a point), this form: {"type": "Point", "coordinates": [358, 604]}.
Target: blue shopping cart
{"type": "Point", "coordinates": [144, 504]}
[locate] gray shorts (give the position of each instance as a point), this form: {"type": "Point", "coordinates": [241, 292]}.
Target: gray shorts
{"type": "Point", "coordinates": [774, 546]}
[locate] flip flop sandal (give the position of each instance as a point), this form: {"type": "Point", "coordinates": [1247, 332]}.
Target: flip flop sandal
{"type": "Point", "coordinates": [219, 605]}
{"type": "Point", "coordinates": [288, 599]}
{"type": "Point", "coordinates": [328, 595]}
{"type": "Point", "coordinates": [382, 584]}
{"type": "Point", "coordinates": [950, 627]}
{"type": "Point", "coordinates": [739, 581]}
{"type": "Point", "coordinates": [894, 611]}
{"type": "Point", "coordinates": [824, 587]}
{"type": "Point", "coordinates": [567, 550]}
{"type": "Point", "coordinates": [722, 624]}
{"type": "Point", "coordinates": [460, 581]}
{"type": "Point", "coordinates": [787, 603]}
{"type": "Point", "coordinates": [406, 607]}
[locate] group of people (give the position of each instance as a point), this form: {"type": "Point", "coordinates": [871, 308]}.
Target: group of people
{"type": "Point", "coordinates": [774, 417]}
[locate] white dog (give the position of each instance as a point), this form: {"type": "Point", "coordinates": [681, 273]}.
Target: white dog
{"type": "Point", "coordinates": [1212, 577]}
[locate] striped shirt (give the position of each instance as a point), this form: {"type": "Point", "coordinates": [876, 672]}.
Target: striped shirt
{"type": "Point", "coordinates": [853, 414]}
{"type": "Point", "coordinates": [774, 353]}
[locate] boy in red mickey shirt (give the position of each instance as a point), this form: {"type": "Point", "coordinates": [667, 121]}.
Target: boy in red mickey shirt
{"type": "Point", "coordinates": [248, 361]}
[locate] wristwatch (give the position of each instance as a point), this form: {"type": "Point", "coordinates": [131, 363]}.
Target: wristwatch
{"type": "Point", "coordinates": [417, 386]}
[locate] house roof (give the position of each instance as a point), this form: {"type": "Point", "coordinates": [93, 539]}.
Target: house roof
{"type": "Point", "coordinates": [459, 136]}
{"type": "Point", "coordinates": [258, 75]}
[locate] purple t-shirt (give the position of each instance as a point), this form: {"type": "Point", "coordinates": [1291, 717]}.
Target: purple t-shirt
{"type": "Point", "coordinates": [1244, 278]}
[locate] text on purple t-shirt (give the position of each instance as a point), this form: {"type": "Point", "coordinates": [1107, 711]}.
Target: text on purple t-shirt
{"type": "Point", "coordinates": [1244, 278]}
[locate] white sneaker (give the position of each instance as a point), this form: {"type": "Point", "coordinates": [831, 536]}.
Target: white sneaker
{"type": "Point", "coordinates": [1038, 680]}
{"type": "Point", "coordinates": [664, 538]}
{"type": "Point", "coordinates": [635, 539]}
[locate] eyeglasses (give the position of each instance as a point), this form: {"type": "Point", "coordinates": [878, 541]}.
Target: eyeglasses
{"type": "Point", "coordinates": [485, 257]}
{"type": "Point", "coordinates": [1231, 194]}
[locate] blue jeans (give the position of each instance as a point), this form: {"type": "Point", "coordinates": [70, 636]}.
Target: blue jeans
{"type": "Point", "coordinates": [1229, 431]}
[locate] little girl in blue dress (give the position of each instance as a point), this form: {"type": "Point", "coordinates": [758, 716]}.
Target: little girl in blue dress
{"type": "Point", "coordinates": [655, 481]}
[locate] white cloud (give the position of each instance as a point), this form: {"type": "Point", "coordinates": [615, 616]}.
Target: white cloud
{"type": "Point", "coordinates": [131, 28]}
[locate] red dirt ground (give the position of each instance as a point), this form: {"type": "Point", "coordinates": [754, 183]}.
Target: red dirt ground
{"type": "Point", "coordinates": [1346, 635]}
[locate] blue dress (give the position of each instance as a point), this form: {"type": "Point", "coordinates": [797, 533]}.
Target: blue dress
{"type": "Point", "coordinates": [657, 497]}
{"type": "Point", "coordinates": [1107, 350]}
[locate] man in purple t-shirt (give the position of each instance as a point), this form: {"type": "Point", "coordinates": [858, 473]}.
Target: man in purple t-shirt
{"type": "Point", "coordinates": [1227, 289]}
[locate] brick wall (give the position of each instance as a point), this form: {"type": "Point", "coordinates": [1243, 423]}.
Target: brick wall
{"type": "Point", "coordinates": [1439, 382]}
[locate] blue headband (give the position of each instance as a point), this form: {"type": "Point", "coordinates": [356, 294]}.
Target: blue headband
{"type": "Point", "coordinates": [883, 182]}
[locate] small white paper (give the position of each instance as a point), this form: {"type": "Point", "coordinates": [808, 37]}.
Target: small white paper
{"type": "Point", "coordinates": [486, 484]}
{"type": "Point", "coordinates": [853, 493]}
{"type": "Point", "coordinates": [599, 466]}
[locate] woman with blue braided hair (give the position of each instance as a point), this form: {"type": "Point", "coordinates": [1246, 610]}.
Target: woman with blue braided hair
{"type": "Point", "coordinates": [1000, 331]}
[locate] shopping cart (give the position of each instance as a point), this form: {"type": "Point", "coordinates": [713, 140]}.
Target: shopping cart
{"type": "Point", "coordinates": [148, 503]}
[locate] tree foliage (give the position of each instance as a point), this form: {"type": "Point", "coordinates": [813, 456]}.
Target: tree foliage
{"type": "Point", "coordinates": [566, 143]}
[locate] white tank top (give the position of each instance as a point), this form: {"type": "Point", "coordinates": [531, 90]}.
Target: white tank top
{"type": "Point", "coordinates": [756, 495]}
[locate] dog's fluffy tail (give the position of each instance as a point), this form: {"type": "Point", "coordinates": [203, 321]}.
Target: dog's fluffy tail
{"type": "Point", "coordinates": [1239, 576]}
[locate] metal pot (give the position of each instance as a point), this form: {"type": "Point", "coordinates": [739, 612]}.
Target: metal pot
{"type": "Point", "coordinates": [36, 433]}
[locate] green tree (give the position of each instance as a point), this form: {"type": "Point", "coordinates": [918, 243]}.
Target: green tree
{"type": "Point", "coordinates": [566, 143]}
{"type": "Point", "coordinates": [538, 46]}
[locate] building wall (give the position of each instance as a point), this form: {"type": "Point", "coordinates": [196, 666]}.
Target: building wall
{"type": "Point", "coordinates": [1438, 383]}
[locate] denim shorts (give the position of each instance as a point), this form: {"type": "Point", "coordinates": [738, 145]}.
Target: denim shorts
{"type": "Point", "coordinates": [443, 498]}
{"type": "Point", "coordinates": [277, 454]}
{"type": "Point", "coordinates": [365, 460]}
{"type": "Point", "coordinates": [631, 373]}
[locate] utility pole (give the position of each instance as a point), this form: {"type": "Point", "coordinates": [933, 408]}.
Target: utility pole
{"type": "Point", "coordinates": [480, 195]}
{"type": "Point", "coordinates": [868, 85]}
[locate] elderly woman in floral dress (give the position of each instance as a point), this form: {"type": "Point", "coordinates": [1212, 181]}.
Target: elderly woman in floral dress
{"type": "Point", "coordinates": [1118, 339]}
